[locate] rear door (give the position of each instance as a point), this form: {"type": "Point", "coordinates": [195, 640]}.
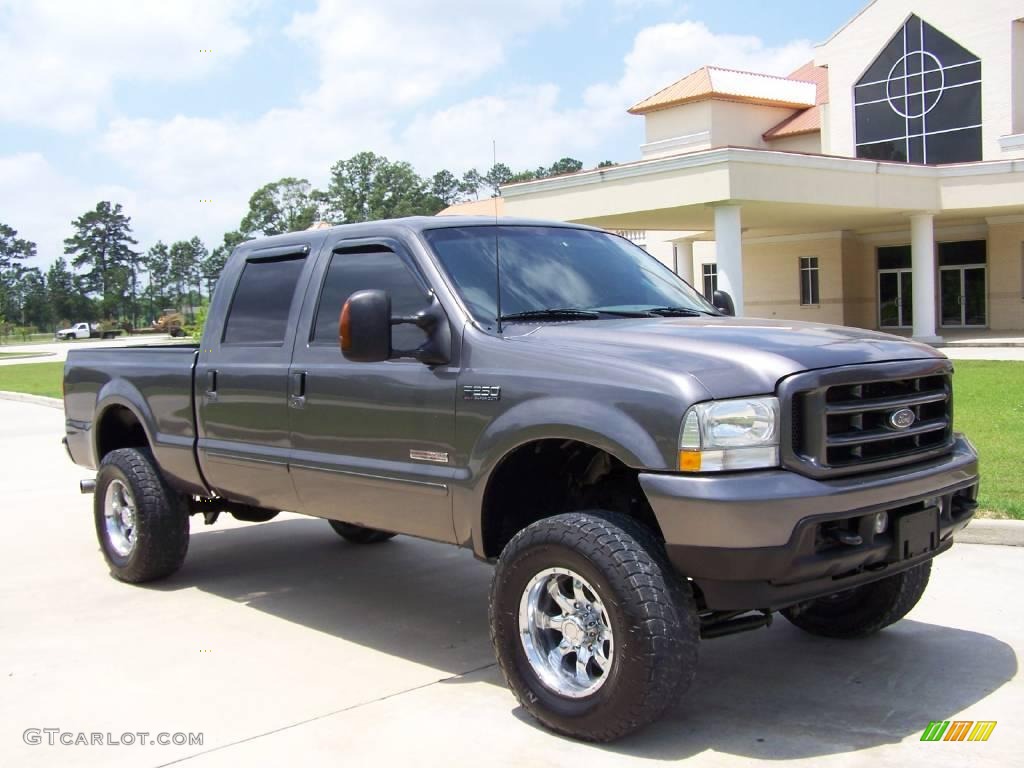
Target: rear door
{"type": "Point", "coordinates": [242, 376]}
{"type": "Point", "coordinates": [371, 442]}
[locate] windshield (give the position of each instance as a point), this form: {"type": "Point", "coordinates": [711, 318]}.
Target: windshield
{"type": "Point", "coordinates": [559, 272]}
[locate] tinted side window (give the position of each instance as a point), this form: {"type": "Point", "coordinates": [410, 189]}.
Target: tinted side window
{"type": "Point", "coordinates": [363, 269]}
{"type": "Point", "coordinates": [259, 310]}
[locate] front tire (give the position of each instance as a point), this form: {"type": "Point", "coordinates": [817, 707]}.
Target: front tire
{"type": "Point", "coordinates": [141, 524]}
{"type": "Point", "coordinates": [863, 610]}
{"type": "Point", "coordinates": [595, 633]}
{"type": "Point", "coordinates": [359, 534]}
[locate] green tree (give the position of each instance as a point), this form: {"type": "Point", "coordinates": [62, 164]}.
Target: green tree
{"type": "Point", "coordinates": [446, 187]}
{"type": "Point", "coordinates": [606, 164]}
{"type": "Point", "coordinates": [565, 165]}
{"type": "Point", "coordinates": [286, 205]}
{"type": "Point", "coordinates": [471, 183]}
{"type": "Point", "coordinates": [13, 250]}
{"type": "Point", "coordinates": [62, 294]}
{"type": "Point", "coordinates": [498, 174]}
{"type": "Point", "coordinates": [159, 286]}
{"type": "Point", "coordinates": [368, 187]}
{"type": "Point", "coordinates": [180, 274]}
{"type": "Point", "coordinates": [214, 263]}
{"type": "Point", "coordinates": [199, 256]}
{"type": "Point", "coordinates": [101, 245]}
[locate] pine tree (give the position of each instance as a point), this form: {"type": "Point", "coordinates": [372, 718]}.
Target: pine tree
{"type": "Point", "coordinates": [101, 245]}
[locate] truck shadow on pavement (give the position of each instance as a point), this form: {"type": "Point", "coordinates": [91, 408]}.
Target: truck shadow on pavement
{"type": "Point", "coordinates": [771, 694]}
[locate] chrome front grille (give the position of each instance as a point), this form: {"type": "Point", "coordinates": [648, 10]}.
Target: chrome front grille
{"type": "Point", "coordinates": [858, 419]}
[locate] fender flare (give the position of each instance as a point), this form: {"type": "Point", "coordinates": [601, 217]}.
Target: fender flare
{"type": "Point", "coordinates": [559, 418]}
{"type": "Point", "coordinates": [119, 392]}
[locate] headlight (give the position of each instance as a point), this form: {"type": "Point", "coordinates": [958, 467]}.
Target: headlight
{"type": "Point", "coordinates": [730, 434]}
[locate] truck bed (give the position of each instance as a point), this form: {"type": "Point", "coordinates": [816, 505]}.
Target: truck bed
{"type": "Point", "coordinates": [159, 376]}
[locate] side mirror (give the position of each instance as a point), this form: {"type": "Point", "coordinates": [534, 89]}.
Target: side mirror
{"type": "Point", "coordinates": [364, 327]}
{"type": "Point", "coordinates": [364, 330]}
{"type": "Point", "coordinates": [723, 303]}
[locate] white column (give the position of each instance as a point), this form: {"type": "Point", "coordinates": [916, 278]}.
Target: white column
{"type": "Point", "coordinates": [683, 254]}
{"type": "Point", "coordinates": [922, 259]}
{"type": "Point", "coordinates": [729, 252]}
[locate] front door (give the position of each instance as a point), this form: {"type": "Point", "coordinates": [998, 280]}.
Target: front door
{"type": "Point", "coordinates": [962, 292]}
{"type": "Point", "coordinates": [371, 442]}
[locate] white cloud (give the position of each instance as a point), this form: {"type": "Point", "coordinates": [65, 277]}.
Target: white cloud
{"type": "Point", "coordinates": [665, 53]}
{"type": "Point", "coordinates": [61, 59]}
{"type": "Point", "coordinates": [402, 53]}
{"type": "Point", "coordinates": [40, 201]}
{"type": "Point", "coordinates": [381, 71]}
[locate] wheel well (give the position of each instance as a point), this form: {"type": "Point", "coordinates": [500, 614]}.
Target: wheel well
{"type": "Point", "coordinates": [548, 477]}
{"type": "Point", "coordinates": [119, 428]}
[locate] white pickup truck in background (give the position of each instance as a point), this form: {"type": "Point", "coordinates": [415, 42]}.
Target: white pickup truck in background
{"type": "Point", "coordinates": [87, 331]}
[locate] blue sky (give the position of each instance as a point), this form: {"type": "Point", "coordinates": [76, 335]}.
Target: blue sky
{"type": "Point", "coordinates": [120, 100]}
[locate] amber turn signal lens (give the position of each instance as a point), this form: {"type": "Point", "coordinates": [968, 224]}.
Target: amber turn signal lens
{"type": "Point", "coordinates": [689, 461]}
{"type": "Point", "coordinates": [344, 332]}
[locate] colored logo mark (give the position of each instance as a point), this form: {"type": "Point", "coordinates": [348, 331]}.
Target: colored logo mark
{"type": "Point", "coordinates": [958, 730]}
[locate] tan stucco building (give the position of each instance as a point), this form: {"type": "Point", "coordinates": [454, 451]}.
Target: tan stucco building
{"type": "Point", "coordinates": [881, 185]}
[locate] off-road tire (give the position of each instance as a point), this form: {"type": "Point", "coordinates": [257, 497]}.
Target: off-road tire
{"type": "Point", "coordinates": [359, 534]}
{"type": "Point", "coordinates": [863, 610]}
{"type": "Point", "coordinates": [161, 518]}
{"type": "Point", "coordinates": [651, 609]}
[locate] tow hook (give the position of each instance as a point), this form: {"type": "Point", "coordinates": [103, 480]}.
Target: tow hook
{"type": "Point", "coordinates": [87, 486]}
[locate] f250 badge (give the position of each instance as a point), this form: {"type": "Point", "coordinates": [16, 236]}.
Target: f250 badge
{"type": "Point", "coordinates": [481, 392]}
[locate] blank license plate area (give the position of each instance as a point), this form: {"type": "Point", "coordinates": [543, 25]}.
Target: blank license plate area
{"type": "Point", "coordinates": [916, 534]}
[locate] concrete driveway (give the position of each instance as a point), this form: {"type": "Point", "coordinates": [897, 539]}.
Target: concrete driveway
{"type": "Point", "coordinates": [283, 645]}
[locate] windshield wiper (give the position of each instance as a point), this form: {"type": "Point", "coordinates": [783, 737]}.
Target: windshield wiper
{"type": "Point", "coordinates": [553, 313]}
{"type": "Point", "coordinates": [674, 312]}
{"type": "Point", "coordinates": [653, 311]}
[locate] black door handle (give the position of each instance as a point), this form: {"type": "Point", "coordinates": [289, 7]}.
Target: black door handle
{"type": "Point", "coordinates": [297, 397]}
{"type": "Point", "coordinates": [211, 386]}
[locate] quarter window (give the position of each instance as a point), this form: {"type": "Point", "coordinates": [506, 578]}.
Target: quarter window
{"type": "Point", "coordinates": [362, 269]}
{"type": "Point", "coordinates": [262, 301]}
{"type": "Point", "coordinates": [809, 281]}
{"type": "Point", "coordinates": [710, 276]}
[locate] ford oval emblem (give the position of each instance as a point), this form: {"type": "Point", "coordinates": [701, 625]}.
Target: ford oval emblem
{"type": "Point", "coordinates": [902, 418]}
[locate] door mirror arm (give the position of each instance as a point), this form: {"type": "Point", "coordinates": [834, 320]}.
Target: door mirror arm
{"type": "Point", "coordinates": [437, 349]}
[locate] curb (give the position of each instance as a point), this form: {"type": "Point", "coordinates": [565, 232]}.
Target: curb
{"type": "Point", "coordinates": [1009, 533]}
{"type": "Point", "coordinates": [21, 397]}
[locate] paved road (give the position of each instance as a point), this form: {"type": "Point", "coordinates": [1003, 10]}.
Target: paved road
{"type": "Point", "coordinates": [284, 645]}
{"type": "Point", "coordinates": [57, 351]}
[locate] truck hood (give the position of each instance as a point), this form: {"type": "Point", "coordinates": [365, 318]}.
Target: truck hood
{"type": "Point", "coordinates": [730, 357]}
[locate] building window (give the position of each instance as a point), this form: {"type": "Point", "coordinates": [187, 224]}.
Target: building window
{"type": "Point", "coordinates": [809, 281]}
{"type": "Point", "coordinates": [709, 272]}
{"type": "Point", "coordinates": [920, 101]}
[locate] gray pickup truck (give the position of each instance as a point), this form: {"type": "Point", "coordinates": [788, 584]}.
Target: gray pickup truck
{"type": "Point", "coordinates": [645, 470]}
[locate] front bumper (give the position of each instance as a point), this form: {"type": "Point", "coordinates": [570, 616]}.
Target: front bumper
{"type": "Point", "coordinates": [765, 540]}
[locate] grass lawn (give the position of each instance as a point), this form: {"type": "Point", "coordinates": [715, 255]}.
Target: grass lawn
{"type": "Point", "coordinates": [989, 402]}
{"type": "Point", "coordinates": [33, 378]}
{"type": "Point", "coordinates": [988, 398]}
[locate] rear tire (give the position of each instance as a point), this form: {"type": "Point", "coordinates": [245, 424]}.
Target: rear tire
{"type": "Point", "coordinates": [359, 534]}
{"type": "Point", "coordinates": [142, 525]}
{"type": "Point", "coordinates": [864, 610]}
{"type": "Point", "coordinates": [594, 631]}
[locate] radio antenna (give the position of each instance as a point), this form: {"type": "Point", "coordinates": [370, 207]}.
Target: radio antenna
{"type": "Point", "coordinates": [497, 250]}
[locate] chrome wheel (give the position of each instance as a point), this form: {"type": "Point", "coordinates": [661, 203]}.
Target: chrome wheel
{"type": "Point", "coordinates": [566, 633]}
{"type": "Point", "coordinates": [119, 515]}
